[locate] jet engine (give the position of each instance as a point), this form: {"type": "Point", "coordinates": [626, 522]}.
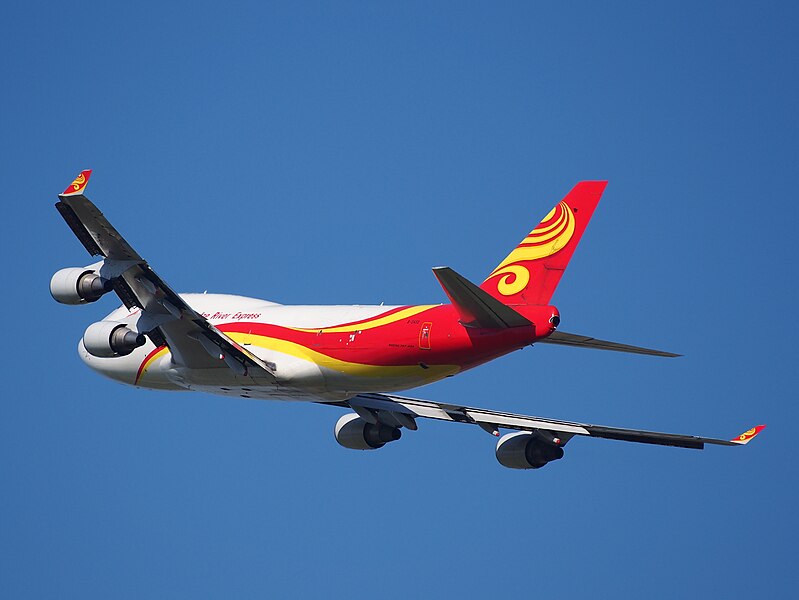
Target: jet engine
{"type": "Point", "coordinates": [523, 450]}
{"type": "Point", "coordinates": [107, 339]}
{"type": "Point", "coordinates": [353, 432]}
{"type": "Point", "coordinates": [78, 286]}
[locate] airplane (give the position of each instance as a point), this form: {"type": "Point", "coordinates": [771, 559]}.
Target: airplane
{"type": "Point", "coordinates": [353, 357]}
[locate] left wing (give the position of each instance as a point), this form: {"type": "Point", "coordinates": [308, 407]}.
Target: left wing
{"type": "Point", "coordinates": [166, 318]}
{"type": "Point", "coordinates": [397, 411]}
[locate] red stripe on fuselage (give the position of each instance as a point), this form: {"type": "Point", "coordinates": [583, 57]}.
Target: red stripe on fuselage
{"type": "Point", "coordinates": [145, 362]}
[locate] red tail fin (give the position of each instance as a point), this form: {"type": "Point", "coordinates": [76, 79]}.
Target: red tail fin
{"type": "Point", "coordinates": [530, 274]}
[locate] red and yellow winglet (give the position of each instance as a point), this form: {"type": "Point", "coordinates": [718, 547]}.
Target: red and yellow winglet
{"type": "Point", "coordinates": [76, 187]}
{"type": "Point", "coordinates": [748, 436]}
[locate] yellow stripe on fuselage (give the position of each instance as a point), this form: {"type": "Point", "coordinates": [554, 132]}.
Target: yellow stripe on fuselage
{"type": "Point", "coordinates": [150, 361]}
{"type": "Point", "coordinates": [433, 372]}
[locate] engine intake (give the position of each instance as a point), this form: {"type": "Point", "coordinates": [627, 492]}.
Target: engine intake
{"type": "Point", "coordinates": [107, 339]}
{"type": "Point", "coordinates": [353, 432]}
{"type": "Point", "coordinates": [525, 450]}
{"type": "Point", "coordinates": [74, 286]}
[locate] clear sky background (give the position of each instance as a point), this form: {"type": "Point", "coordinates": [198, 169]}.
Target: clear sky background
{"type": "Point", "coordinates": [333, 153]}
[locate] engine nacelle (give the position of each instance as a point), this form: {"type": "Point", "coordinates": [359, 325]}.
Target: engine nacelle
{"type": "Point", "coordinates": [76, 285]}
{"type": "Point", "coordinates": [525, 450]}
{"type": "Point", "coordinates": [106, 339]}
{"type": "Point", "coordinates": [355, 433]}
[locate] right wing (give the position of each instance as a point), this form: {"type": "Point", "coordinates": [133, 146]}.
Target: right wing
{"type": "Point", "coordinates": [166, 318]}
{"type": "Point", "coordinates": [401, 411]}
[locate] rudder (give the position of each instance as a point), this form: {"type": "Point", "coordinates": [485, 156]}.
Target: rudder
{"type": "Point", "coordinates": [530, 274]}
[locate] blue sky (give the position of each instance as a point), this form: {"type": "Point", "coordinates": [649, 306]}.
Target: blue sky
{"type": "Point", "coordinates": [314, 153]}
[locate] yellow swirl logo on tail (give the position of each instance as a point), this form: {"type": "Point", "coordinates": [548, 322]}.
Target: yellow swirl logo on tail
{"type": "Point", "coordinates": [549, 237]}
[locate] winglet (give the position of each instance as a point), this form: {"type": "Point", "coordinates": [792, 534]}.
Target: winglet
{"type": "Point", "coordinates": [76, 187]}
{"type": "Point", "coordinates": [748, 436]}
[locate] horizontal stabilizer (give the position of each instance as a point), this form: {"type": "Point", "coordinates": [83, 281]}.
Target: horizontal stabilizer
{"type": "Point", "coordinates": [476, 307]}
{"type": "Point", "coordinates": [570, 339]}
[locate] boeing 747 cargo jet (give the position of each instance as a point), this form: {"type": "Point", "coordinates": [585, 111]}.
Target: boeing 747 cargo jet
{"type": "Point", "coordinates": [353, 357]}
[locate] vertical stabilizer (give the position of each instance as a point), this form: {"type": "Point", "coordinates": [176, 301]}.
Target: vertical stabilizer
{"type": "Point", "coordinates": [530, 274]}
